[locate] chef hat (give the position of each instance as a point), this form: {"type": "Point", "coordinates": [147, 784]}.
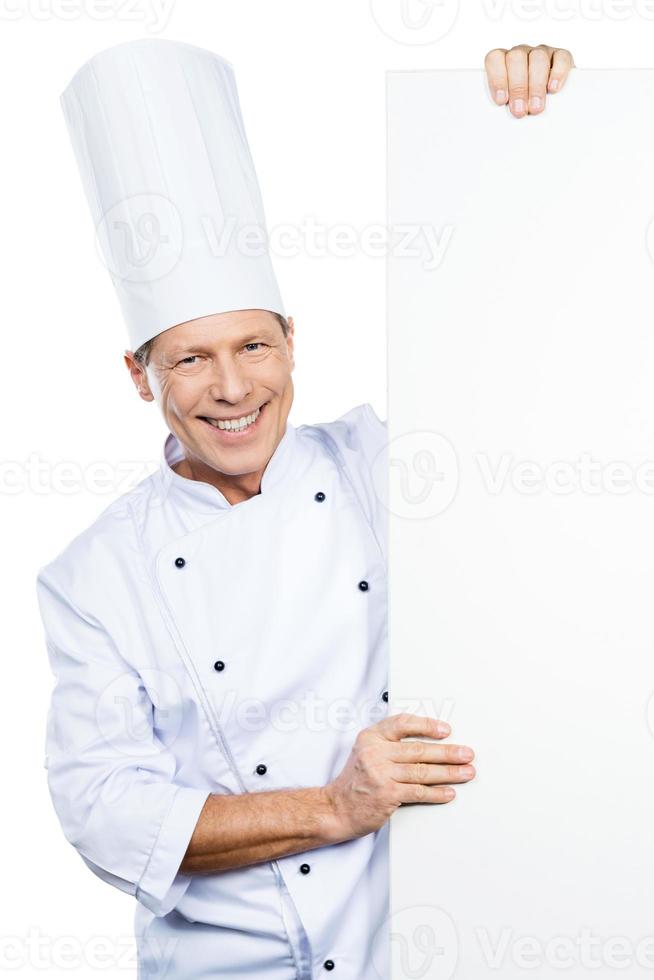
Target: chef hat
{"type": "Point", "coordinates": [157, 131]}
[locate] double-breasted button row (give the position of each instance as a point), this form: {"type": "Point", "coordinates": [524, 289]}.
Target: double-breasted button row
{"type": "Point", "coordinates": [262, 769]}
{"type": "Point", "coordinates": [363, 585]}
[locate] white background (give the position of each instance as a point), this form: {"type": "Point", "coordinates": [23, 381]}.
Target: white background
{"type": "Point", "coordinates": [521, 411]}
{"type": "Point", "coordinates": [311, 81]}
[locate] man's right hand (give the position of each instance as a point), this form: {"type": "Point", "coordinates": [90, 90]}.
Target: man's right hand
{"type": "Point", "coordinates": [382, 772]}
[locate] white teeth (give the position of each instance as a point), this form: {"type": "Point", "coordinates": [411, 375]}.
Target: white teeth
{"type": "Point", "coordinates": [236, 423]}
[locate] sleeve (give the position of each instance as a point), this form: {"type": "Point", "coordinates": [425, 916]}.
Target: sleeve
{"type": "Point", "coordinates": [111, 780]}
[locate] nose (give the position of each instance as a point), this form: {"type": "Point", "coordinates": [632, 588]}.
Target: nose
{"type": "Point", "coordinates": [229, 382]}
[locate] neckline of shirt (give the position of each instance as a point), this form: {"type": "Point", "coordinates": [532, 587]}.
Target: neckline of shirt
{"type": "Point", "coordinates": [198, 492]}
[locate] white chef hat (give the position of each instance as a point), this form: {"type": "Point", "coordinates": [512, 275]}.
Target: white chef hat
{"type": "Point", "coordinates": [157, 130]}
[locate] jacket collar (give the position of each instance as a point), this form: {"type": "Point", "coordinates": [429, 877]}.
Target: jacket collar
{"type": "Point", "coordinates": [195, 493]}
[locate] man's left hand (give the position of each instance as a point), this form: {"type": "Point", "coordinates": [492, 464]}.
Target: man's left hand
{"type": "Point", "coordinates": [523, 76]}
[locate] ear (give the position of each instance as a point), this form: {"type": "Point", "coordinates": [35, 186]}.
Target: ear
{"type": "Point", "coordinates": [290, 340]}
{"type": "Point", "coordinates": [139, 376]}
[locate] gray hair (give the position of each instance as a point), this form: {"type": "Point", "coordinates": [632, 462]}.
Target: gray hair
{"type": "Point", "coordinates": [142, 355]}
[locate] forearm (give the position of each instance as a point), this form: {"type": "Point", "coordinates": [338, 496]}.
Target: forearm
{"type": "Point", "coordinates": [233, 831]}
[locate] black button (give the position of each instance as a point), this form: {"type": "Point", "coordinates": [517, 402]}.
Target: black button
{"type": "Point", "coordinates": [261, 770]}
{"type": "Point", "coordinates": [329, 964]}
{"type": "Point", "coordinates": [305, 868]}
{"type": "Point", "coordinates": [385, 696]}
{"type": "Point", "coordinates": [219, 665]}
{"type": "Point", "coordinates": [363, 585]}
{"type": "Point", "coordinates": [319, 496]}
{"type": "Point", "coordinates": [180, 562]}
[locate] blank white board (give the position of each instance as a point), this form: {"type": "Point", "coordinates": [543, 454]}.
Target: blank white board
{"type": "Point", "coordinates": [521, 498]}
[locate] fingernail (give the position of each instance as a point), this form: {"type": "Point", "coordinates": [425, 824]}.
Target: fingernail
{"type": "Point", "coordinates": [518, 106]}
{"type": "Point", "coordinates": [466, 770]}
{"type": "Point", "coordinates": [448, 794]}
{"type": "Point", "coordinates": [500, 96]}
{"type": "Point", "coordinates": [535, 103]}
{"type": "Point", "coordinates": [553, 85]}
{"type": "Point", "coordinates": [444, 728]}
{"type": "Point", "coordinates": [465, 755]}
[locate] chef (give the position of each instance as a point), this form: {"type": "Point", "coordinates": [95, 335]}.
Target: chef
{"type": "Point", "coordinates": [219, 743]}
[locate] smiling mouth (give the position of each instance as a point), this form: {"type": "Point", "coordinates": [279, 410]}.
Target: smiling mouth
{"type": "Point", "coordinates": [242, 424]}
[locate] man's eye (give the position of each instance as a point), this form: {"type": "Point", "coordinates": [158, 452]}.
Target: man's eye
{"type": "Point", "coordinates": [189, 360]}
{"type": "Point", "coordinates": [254, 345]}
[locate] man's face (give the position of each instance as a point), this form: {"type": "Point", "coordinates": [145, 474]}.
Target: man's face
{"type": "Point", "coordinates": [228, 366]}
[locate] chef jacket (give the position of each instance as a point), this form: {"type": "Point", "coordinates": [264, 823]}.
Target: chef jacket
{"type": "Point", "coordinates": [205, 647]}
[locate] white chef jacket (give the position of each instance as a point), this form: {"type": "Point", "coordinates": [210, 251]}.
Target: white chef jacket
{"type": "Point", "coordinates": [205, 647]}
